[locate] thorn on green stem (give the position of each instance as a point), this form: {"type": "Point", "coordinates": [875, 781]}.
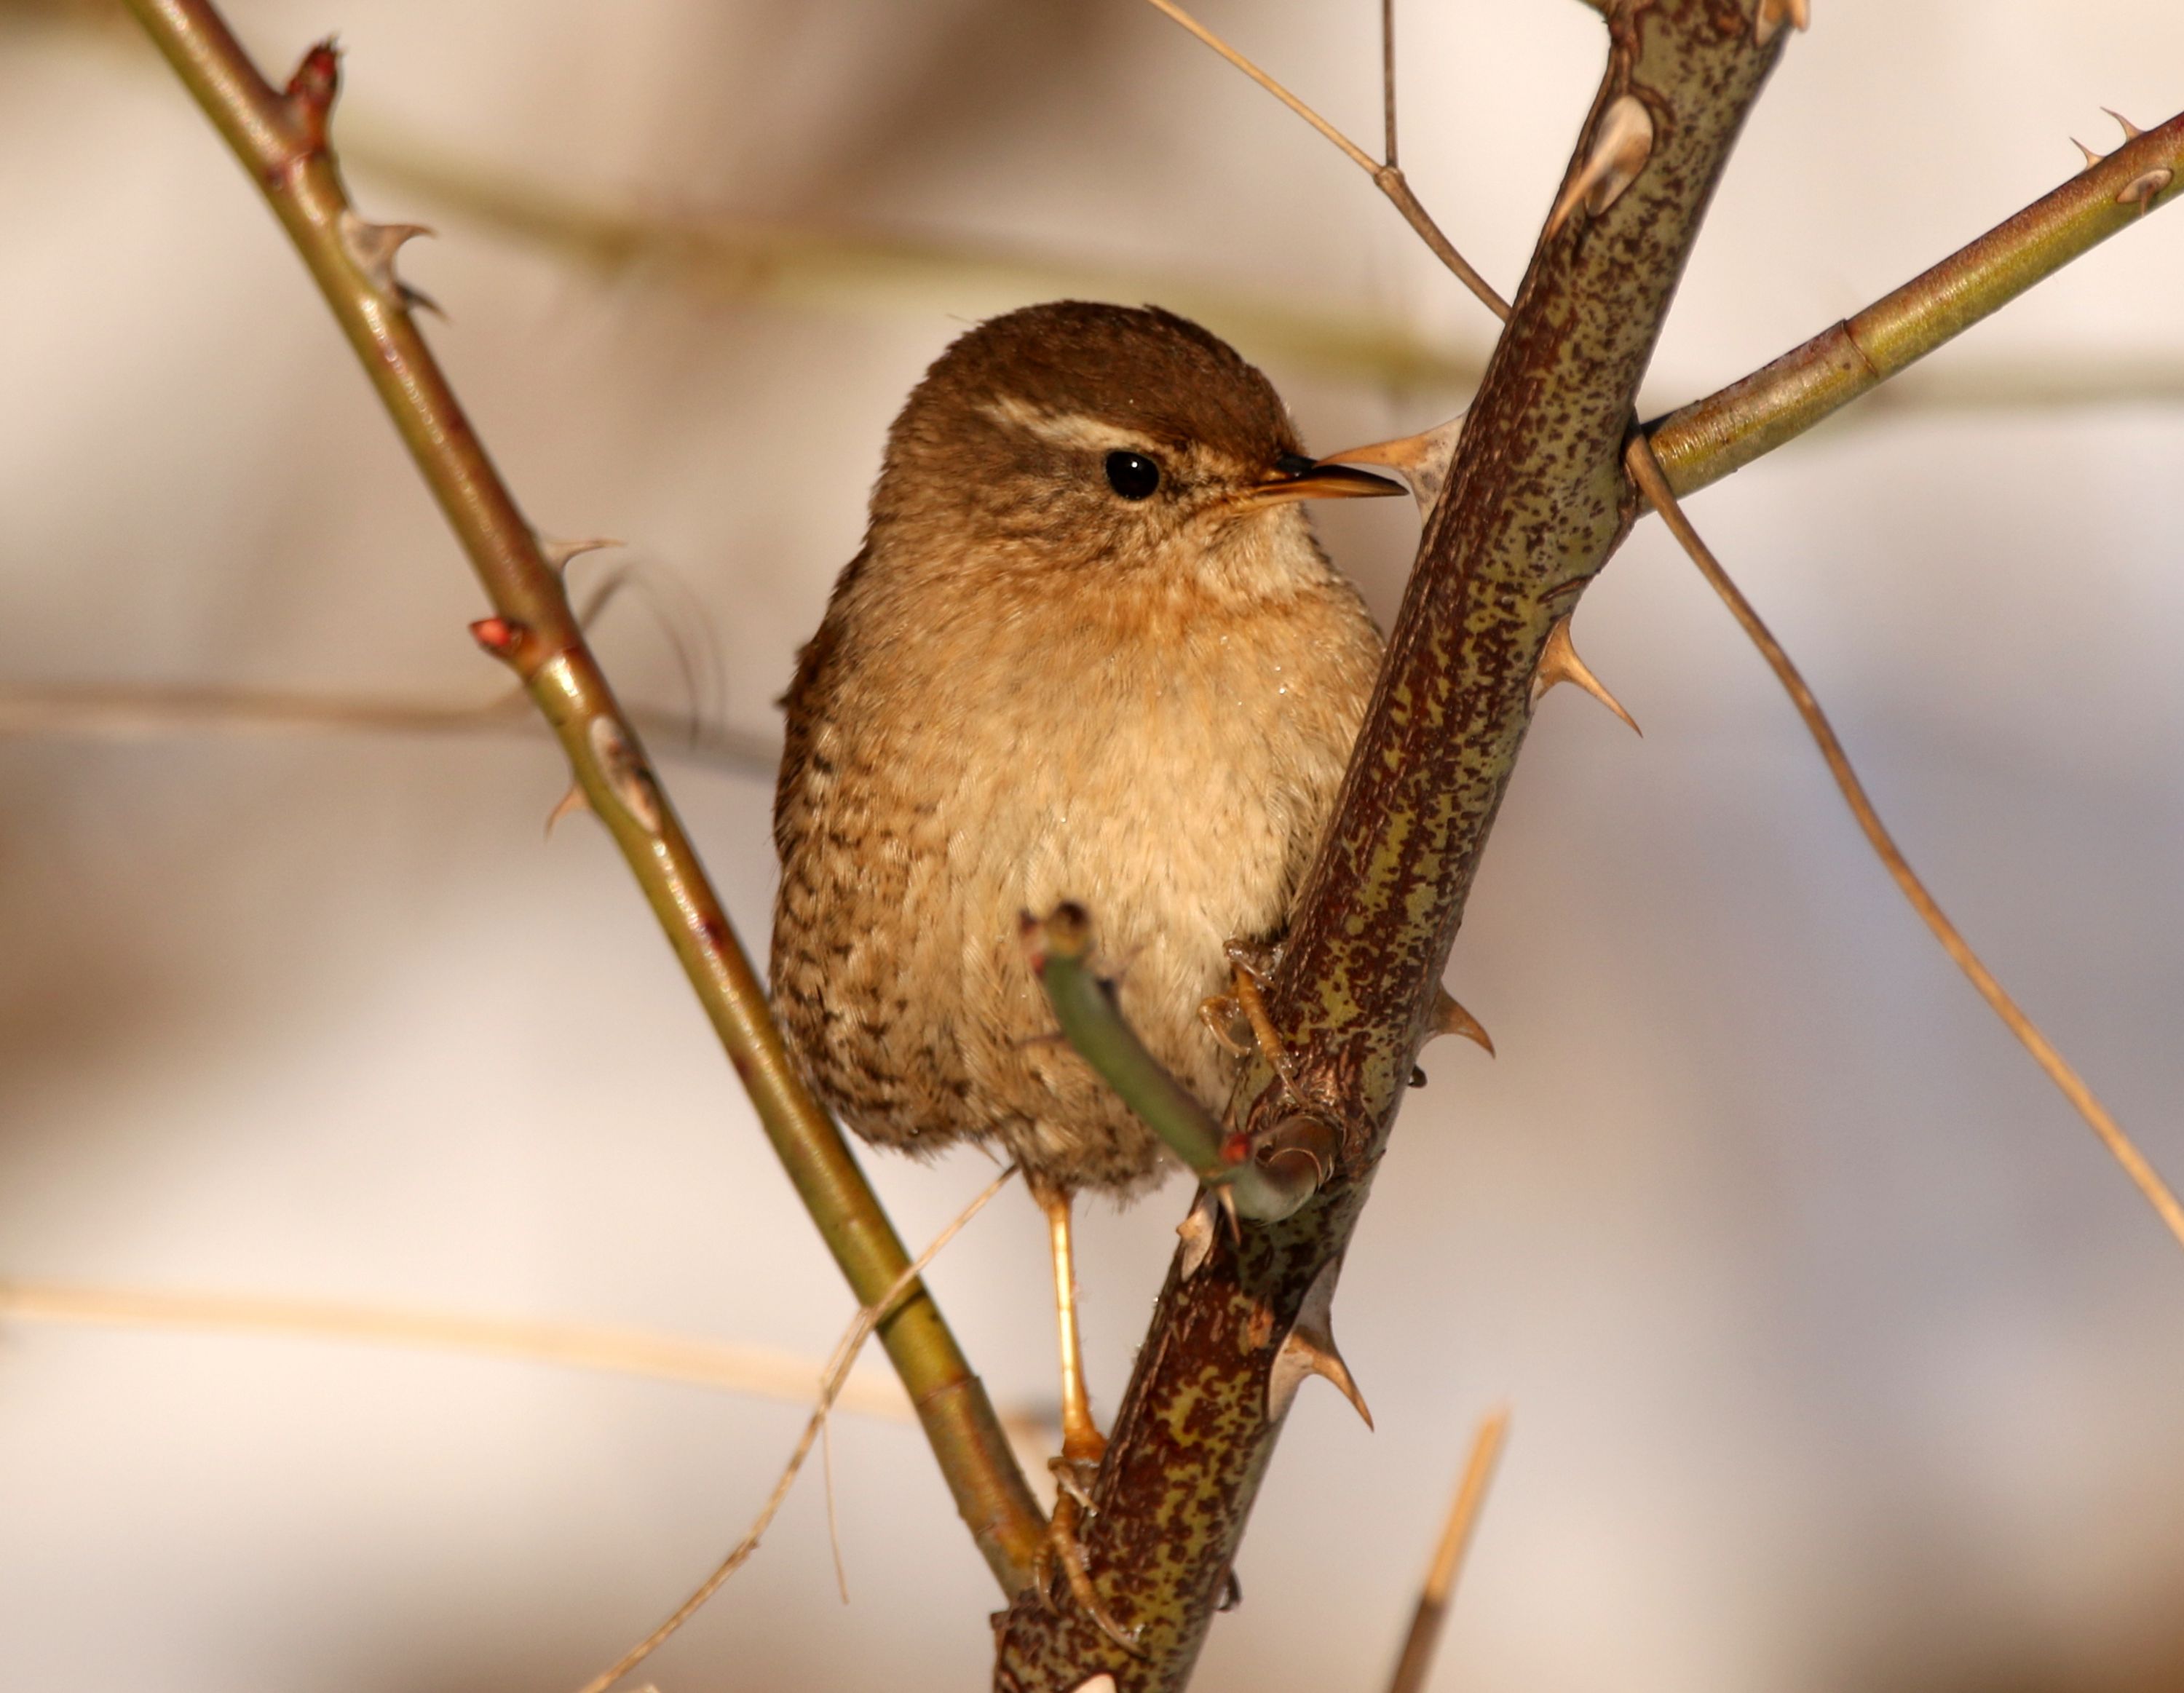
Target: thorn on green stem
{"type": "Point", "coordinates": [558, 553]}
{"type": "Point", "coordinates": [371, 248]}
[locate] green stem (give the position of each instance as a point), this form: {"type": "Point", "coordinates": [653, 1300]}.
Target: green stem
{"type": "Point", "coordinates": [1705, 441]}
{"type": "Point", "coordinates": [280, 139]}
{"type": "Point", "coordinates": [1266, 1181]}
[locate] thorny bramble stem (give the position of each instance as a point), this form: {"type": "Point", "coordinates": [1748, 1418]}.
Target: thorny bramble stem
{"type": "Point", "coordinates": [1536, 502]}
{"type": "Point", "coordinates": [280, 138]}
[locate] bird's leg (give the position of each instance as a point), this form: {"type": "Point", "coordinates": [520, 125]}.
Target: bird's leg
{"type": "Point", "coordinates": [1082, 1442]}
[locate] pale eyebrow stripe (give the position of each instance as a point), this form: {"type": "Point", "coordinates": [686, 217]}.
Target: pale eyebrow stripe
{"type": "Point", "coordinates": [1067, 428]}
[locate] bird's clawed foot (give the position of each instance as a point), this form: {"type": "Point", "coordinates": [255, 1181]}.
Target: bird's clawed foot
{"type": "Point", "coordinates": [1251, 966]}
{"type": "Point", "coordinates": [1223, 1017]}
{"type": "Point", "coordinates": [1073, 1475]}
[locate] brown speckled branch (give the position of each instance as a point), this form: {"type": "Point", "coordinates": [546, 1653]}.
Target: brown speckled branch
{"type": "Point", "coordinates": [1536, 502]}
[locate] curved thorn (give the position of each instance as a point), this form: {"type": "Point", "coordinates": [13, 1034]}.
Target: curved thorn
{"type": "Point", "coordinates": [1619, 151]}
{"type": "Point", "coordinates": [1309, 1349]}
{"type": "Point", "coordinates": [1559, 663]}
{"type": "Point", "coordinates": [1422, 460]}
{"type": "Point", "coordinates": [558, 553]}
{"type": "Point", "coordinates": [371, 248]}
{"type": "Point", "coordinates": [1451, 1018]}
{"type": "Point", "coordinates": [568, 803]}
{"type": "Point", "coordinates": [1766, 22]}
{"type": "Point", "coordinates": [1197, 1230]}
{"type": "Point", "coordinates": [2131, 130]}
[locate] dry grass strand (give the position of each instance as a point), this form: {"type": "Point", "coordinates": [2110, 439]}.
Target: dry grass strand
{"type": "Point", "coordinates": [1462, 1521]}
{"type": "Point", "coordinates": [621, 1351]}
{"type": "Point", "coordinates": [837, 1368]}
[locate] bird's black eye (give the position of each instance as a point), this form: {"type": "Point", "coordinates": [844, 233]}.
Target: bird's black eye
{"type": "Point", "coordinates": [1132, 474]}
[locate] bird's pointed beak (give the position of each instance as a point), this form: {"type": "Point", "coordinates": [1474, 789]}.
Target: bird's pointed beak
{"type": "Point", "coordinates": [1300, 478]}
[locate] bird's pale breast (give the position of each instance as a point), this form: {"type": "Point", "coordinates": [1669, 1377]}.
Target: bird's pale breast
{"type": "Point", "coordinates": [1168, 766]}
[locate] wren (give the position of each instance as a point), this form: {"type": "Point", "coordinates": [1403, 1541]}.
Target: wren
{"type": "Point", "coordinates": [1090, 651]}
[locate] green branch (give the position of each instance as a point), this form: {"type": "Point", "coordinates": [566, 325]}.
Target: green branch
{"type": "Point", "coordinates": [280, 138]}
{"type": "Point", "coordinates": [847, 269]}
{"type": "Point", "coordinates": [1266, 1180]}
{"type": "Point", "coordinates": [1703, 441]}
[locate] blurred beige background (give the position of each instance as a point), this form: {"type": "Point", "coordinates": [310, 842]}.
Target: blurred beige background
{"type": "Point", "coordinates": [1840, 1355]}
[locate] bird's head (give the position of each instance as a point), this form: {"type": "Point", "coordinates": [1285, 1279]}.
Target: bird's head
{"type": "Point", "coordinates": [1124, 446]}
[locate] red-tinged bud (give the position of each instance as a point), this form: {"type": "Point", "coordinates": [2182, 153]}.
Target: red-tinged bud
{"type": "Point", "coordinates": [497, 635]}
{"type": "Point", "coordinates": [1235, 1147]}
{"type": "Point", "coordinates": [311, 91]}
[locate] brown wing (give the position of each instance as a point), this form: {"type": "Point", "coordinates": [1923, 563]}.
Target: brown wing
{"type": "Point", "coordinates": [853, 916]}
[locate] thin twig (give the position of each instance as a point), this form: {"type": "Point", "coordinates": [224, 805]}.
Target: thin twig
{"type": "Point", "coordinates": [1385, 177]}
{"type": "Point", "coordinates": [1358, 155]}
{"type": "Point", "coordinates": [1388, 76]}
{"type": "Point", "coordinates": [280, 137]}
{"type": "Point", "coordinates": [1651, 481]}
{"type": "Point", "coordinates": [837, 1369]}
{"type": "Point", "coordinates": [621, 1351]}
{"type": "Point", "coordinates": [833, 1521]}
{"type": "Point", "coordinates": [1417, 1659]}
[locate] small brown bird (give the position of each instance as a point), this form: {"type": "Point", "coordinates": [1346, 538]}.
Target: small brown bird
{"type": "Point", "coordinates": [1090, 651]}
